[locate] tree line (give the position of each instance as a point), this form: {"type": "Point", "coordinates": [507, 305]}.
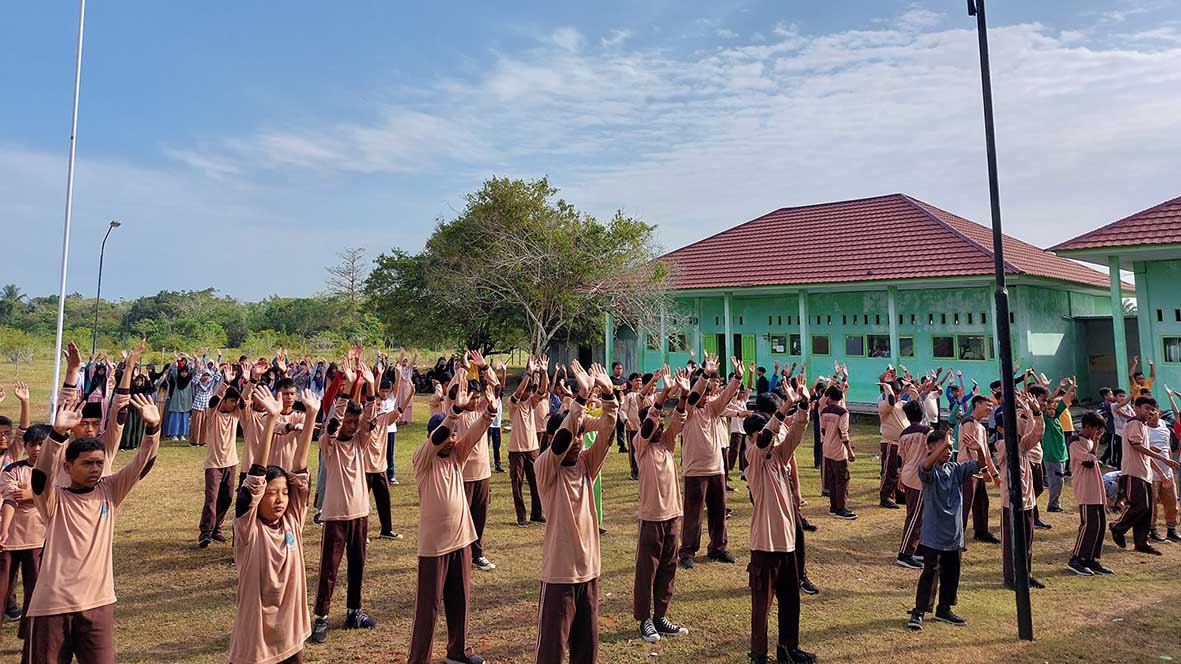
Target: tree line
{"type": "Point", "coordinates": [517, 268]}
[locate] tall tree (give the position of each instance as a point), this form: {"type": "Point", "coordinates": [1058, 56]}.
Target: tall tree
{"type": "Point", "coordinates": [550, 267]}
{"type": "Point", "coordinates": [346, 279]}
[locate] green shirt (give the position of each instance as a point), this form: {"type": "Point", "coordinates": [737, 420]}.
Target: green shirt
{"type": "Point", "coordinates": [1053, 440]}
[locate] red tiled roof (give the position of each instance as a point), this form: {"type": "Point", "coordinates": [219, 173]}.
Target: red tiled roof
{"type": "Point", "coordinates": [1160, 224]}
{"type": "Point", "coordinates": [872, 239]}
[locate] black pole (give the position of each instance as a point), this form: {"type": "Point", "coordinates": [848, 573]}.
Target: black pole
{"type": "Point", "coordinates": [98, 293]}
{"type": "Point", "coordinates": [1004, 345]}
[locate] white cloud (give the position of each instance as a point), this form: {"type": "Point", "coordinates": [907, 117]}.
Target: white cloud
{"type": "Point", "coordinates": [697, 142]}
{"type": "Point", "coordinates": [617, 37]}
{"type": "Point", "coordinates": [917, 17]}
{"type": "Point", "coordinates": [567, 38]}
{"type": "Point", "coordinates": [724, 33]}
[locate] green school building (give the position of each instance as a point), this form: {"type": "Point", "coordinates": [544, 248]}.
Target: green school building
{"type": "Point", "coordinates": [1148, 244]}
{"type": "Point", "coordinates": [877, 281]}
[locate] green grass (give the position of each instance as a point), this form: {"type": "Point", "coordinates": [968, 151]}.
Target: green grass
{"type": "Point", "coordinates": [176, 602]}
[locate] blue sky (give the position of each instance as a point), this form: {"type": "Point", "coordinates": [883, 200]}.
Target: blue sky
{"type": "Point", "coordinates": [243, 143]}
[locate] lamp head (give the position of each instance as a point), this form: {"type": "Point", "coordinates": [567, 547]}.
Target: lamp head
{"type": "Point", "coordinates": [116, 224]}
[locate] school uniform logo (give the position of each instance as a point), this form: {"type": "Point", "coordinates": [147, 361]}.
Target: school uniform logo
{"type": "Point", "coordinates": [104, 510]}
{"type": "Point", "coordinates": [289, 539]}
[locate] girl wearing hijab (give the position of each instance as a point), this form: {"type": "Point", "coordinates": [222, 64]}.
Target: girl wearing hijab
{"type": "Point", "coordinates": [180, 400]}
{"type": "Point", "coordinates": [100, 384]}
{"type": "Point", "coordinates": [133, 430]}
{"type": "Point", "coordinates": [406, 388]}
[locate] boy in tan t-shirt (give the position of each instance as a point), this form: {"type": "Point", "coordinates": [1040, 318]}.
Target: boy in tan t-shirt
{"type": "Point", "coordinates": [271, 619]}
{"type": "Point", "coordinates": [1029, 430]}
{"type": "Point", "coordinates": [1090, 495]}
{"type": "Point", "coordinates": [838, 452]}
{"type": "Point", "coordinates": [655, 447]}
{"type": "Point", "coordinates": [477, 473]}
{"type": "Point", "coordinates": [774, 568]}
{"type": "Point", "coordinates": [446, 531]}
{"type": "Point", "coordinates": [345, 513]}
{"type": "Point", "coordinates": [912, 448]}
{"type": "Point", "coordinates": [72, 611]}
{"type": "Point", "coordinates": [522, 442]}
{"type": "Point", "coordinates": [221, 459]}
{"type": "Point", "coordinates": [568, 616]}
{"type": "Point", "coordinates": [22, 529]}
{"type": "Point", "coordinates": [703, 463]}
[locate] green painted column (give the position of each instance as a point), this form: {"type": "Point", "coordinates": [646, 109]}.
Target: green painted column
{"type": "Point", "coordinates": [663, 336]}
{"type": "Point", "coordinates": [895, 349]}
{"type": "Point", "coordinates": [697, 347]}
{"type": "Point", "coordinates": [729, 339]}
{"type": "Point", "coordinates": [805, 340]}
{"type": "Point", "coordinates": [1117, 322]}
{"type": "Point", "coordinates": [1144, 314]}
{"type": "Point", "coordinates": [608, 340]}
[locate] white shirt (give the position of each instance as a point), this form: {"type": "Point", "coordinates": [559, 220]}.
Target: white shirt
{"type": "Point", "coordinates": [499, 413]}
{"type": "Point", "coordinates": [390, 404]}
{"type": "Point", "coordinates": [1158, 440]}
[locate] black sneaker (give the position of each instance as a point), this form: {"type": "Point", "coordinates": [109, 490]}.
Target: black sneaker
{"type": "Point", "coordinates": [808, 587]}
{"type": "Point", "coordinates": [538, 519]}
{"type": "Point", "coordinates": [319, 631]}
{"type": "Point", "coordinates": [845, 514]}
{"type": "Point", "coordinates": [667, 628]}
{"type": "Point", "coordinates": [1120, 539]}
{"type": "Point", "coordinates": [1054, 508]}
{"type": "Point", "coordinates": [1098, 568]}
{"type": "Point", "coordinates": [824, 493]}
{"type": "Point", "coordinates": [889, 504]}
{"type": "Point", "coordinates": [602, 531]}
{"type": "Point", "coordinates": [521, 523]}
{"type": "Point", "coordinates": [944, 614]}
{"type": "Point", "coordinates": [760, 659]}
{"type": "Point", "coordinates": [807, 525]}
{"type": "Point", "coordinates": [1156, 536]}
{"type": "Point", "coordinates": [908, 562]}
{"type": "Point", "coordinates": [633, 477]}
{"type": "Point", "coordinates": [218, 537]}
{"type": "Point", "coordinates": [1041, 525]}
{"type": "Point", "coordinates": [987, 538]}
{"type": "Point", "coordinates": [1034, 583]}
{"type": "Point", "coordinates": [204, 540]}
{"type": "Point", "coordinates": [686, 563]}
{"type": "Point", "coordinates": [499, 469]}
{"type": "Point", "coordinates": [729, 512]}
{"type": "Point", "coordinates": [648, 631]}
{"type": "Point", "coordinates": [796, 656]}
{"type": "Point", "coordinates": [13, 613]}
{"type": "Point", "coordinates": [722, 557]}
{"type": "Point", "coordinates": [391, 535]}
{"type": "Point", "coordinates": [469, 659]}
{"type": "Point", "coordinates": [316, 518]}
{"type": "Point", "coordinates": [1079, 567]}
{"type": "Point", "coordinates": [1149, 549]}
{"type": "Point", "coordinates": [483, 564]}
{"type": "Point", "coordinates": [359, 620]}
{"type": "Point", "coordinates": [916, 621]}
{"type": "Point", "coordinates": [730, 487]}
{"type": "Point", "coordinates": [1009, 585]}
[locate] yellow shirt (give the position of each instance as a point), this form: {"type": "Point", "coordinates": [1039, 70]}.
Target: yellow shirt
{"type": "Point", "coordinates": [1065, 420]}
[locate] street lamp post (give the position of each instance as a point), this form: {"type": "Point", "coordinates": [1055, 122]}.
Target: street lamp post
{"type": "Point", "coordinates": [1004, 343]}
{"type": "Point", "coordinates": [99, 292]}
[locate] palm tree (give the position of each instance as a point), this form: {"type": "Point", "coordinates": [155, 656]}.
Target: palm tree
{"type": "Point", "coordinates": [11, 294]}
{"type": "Point", "coordinates": [1129, 307]}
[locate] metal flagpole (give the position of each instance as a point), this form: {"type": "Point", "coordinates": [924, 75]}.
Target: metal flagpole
{"type": "Point", "coordinates": [1004, 345]}
{"type": "Point", "coordinates": [61, 293]}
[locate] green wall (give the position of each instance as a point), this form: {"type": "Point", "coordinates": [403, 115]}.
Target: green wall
{"type": "Point", "coordinates": [1159, 301]}
{"type": "Point", "coordinates": [1043, 330]}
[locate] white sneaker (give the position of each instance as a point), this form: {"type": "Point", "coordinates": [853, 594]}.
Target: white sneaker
{"type": "Point", "coordinates": [648, 631]}
{"type": "Point", "coordinates": [483, 564]}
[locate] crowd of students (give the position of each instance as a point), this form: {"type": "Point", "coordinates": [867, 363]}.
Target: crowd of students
{"type": "Point", "coordinates": [60, 496]}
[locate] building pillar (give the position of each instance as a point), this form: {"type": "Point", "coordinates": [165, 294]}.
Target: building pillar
{"type": "Point", "coordinates": [1146, 317]}
{"type": "Point", "coordinates": [608, 340]}
{"type": "Point", "coordinates": [805, 340]}
{"type": "Point", "coordinates": [895, 347]}
{"type": "Point", "coordinates": [663, 336]}
{"type": "Point", "coordinates": [722, 362]}
{"type": "Point", "coordinates": [1117, 322]}
{"type": "Point", "coordinates": [698, 349]}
